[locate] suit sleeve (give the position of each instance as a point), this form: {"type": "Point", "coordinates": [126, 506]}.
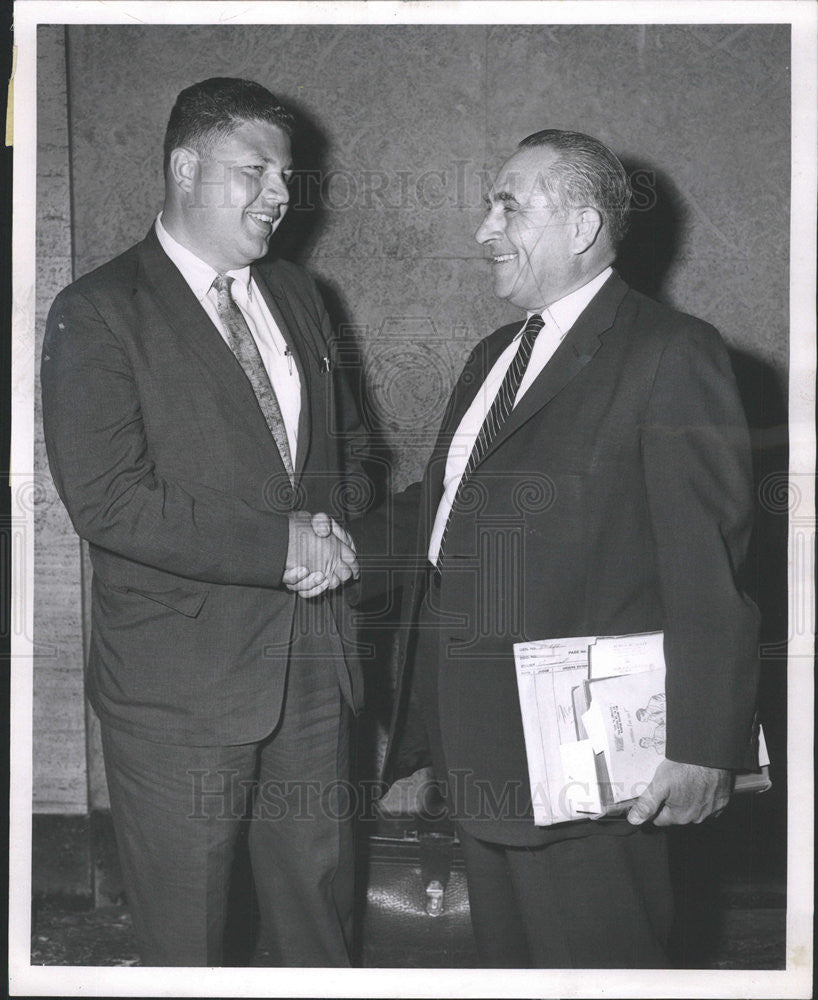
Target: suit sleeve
{"type": "Point", "coordinates": [697, 467]}
{"type": "Point", "coordinates": [100, 458]}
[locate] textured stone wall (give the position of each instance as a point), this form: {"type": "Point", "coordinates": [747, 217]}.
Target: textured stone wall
{"type": "Point", "coordinates": [405, 121]}
{"type": "Point", "coordinates": [405, 126]}
{"type": "Point", "coordinates": [60, 783]}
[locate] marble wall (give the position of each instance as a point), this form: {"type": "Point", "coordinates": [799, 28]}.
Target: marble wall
{"type": "Point", "coordinates": [404, 127]}
{"type": "Point", "coordinates": [59, 767]}
{"type": "Point", "coordinates": [405, 124]}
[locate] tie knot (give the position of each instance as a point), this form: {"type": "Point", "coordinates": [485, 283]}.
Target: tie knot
{"type": "Point", "coordinates": [222, 284]}
{"type": "Point", "coordinates": [533, 326]}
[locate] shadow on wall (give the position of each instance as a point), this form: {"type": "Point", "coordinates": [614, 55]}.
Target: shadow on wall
{"type": "Point", "coordinates": [748, 844]}
{"type": "Point", "coordinates": [295, 241]}
{"type": "Point", "coordinates": [766, 581]}
{"type": "Point", "coordinates": [306, 215]}
{"type": "Point", "coordinates": [657, 222]}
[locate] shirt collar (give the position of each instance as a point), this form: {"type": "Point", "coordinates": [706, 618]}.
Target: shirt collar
{"type": "Point", "coordinates": [197, 273]}
{"type": "Point", "coordinates": [566, 311]}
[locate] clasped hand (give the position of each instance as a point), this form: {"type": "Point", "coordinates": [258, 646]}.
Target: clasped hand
{"type": "Point", "coordinates": [320, 555]}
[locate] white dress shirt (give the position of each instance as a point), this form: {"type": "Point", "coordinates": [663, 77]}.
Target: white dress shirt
{"type": "Point", "coordinates": [558, 319]}
{"type": "Point", "coordinates": [275, 354]}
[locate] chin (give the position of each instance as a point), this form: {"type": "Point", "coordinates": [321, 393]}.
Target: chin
{"type": "Point", "coordinates": [253, 253]}
{"type": "Point", "coordinates": [510, 295]}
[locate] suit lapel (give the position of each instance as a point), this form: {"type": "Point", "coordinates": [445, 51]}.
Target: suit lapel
{"type": "Point", "coordinates": [468, 385]}
{"type": "Point", "coordinates": [286, 318]}
{"type": "Point", "coordinates": [476, 372]}
{"type": "Point", "coordinates": [161, 279]}
{"type": "Point", "coordinates": [574, 353]}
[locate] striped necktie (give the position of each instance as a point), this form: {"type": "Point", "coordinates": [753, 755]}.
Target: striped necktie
{"type": "Point", "coordinates": [247, 354]}
{"type": "Point", "coordinates": [499, 411]}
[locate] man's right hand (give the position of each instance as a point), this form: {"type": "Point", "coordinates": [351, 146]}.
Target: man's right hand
{"type": "Point", "coordinates": [320, 555]}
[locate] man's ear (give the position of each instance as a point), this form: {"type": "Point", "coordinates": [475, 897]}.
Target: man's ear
{"type": "Point", "coordinates": [587, 225]}
{"type": "Point", "coordinates": [183, 168]}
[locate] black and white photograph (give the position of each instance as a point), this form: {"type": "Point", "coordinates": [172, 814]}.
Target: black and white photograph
{"type": "Point", "coordinates": [412, 486]}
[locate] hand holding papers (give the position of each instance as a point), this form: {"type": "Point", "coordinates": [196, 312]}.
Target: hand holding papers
{"type": "Point", "coordinates": [594, 720]}
{"type": "Point", "coordinates": [682, 793]}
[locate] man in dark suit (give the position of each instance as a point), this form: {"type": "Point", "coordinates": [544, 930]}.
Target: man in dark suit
{"type": "Point", "coordinates": [191, 420]}
{"type": "Point", "coordinates": [591, 477]}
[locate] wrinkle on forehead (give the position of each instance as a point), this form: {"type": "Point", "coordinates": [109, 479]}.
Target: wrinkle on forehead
{"type": "Point", "coordinates": [525, 175]}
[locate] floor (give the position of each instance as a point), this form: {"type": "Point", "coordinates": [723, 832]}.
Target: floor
{"type": "Point", "coordinates": [748, 933]}
{"type": "Point", "coordinates": [730, 901]}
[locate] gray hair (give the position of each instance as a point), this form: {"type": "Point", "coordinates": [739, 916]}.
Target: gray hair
{"type": "Point", "coordinates": [585, 172]}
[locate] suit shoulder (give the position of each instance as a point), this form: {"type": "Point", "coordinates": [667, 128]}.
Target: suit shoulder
{"type": "Point", "coordinates": [669, 344]}
{"type": "Point", "coordinates": [487, 347]}
{"type": "Point", "coordinates": [502, 335]}
{"type": "Point", "coordinates": [92, 309]}
{"type": "Point", "coordinates": [115, 272]}
{"type": "Point", "coordinates": [115, 275]}
{"type": "Point", "coordinates": [503, 332]}
{"type": "Point", "coordinates": [660, 321]}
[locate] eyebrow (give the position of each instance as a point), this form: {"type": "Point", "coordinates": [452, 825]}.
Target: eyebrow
{"type": "Point", "coordinates": [271, 159]}
{"type": "Point", "coordinates": [502, 196]}
{"type": "Point", "coordinates": [289, 167]}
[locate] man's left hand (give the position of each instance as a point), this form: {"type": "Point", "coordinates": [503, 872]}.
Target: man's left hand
{"type": "Point", "coordinates": [682, 793]}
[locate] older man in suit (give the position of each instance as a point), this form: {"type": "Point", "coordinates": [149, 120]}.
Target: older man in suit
{"type": "Point", "coordinates": [591, 477]}
{"type": "Point", "coordinates": [191, 419]}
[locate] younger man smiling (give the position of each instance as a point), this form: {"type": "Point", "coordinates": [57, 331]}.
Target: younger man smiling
{"type": "Point", "coordinates": [187, 407]}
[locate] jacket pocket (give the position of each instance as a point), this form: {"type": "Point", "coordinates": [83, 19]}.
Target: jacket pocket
{"type": "Point", "coordinates": [153, 584]}
{"type": "Point", "coordinates": [186, 602]}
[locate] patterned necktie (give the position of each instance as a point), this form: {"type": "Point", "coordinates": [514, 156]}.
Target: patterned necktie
{"type": "Point", "coordinates": [499, 411]}
{"type": "Point", "coordinates": [247, 354]}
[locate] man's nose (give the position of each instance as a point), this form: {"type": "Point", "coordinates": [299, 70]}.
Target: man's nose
{"type": "Point", "coordinates": [275, 189]}
{"type": "Point", "coordinates": [490, 228]}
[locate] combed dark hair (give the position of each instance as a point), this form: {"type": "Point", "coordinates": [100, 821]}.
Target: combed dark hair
{"type": "Point", "coordinates": [212, 110]}
{"type": "Point", "coordinates": [586, 172]}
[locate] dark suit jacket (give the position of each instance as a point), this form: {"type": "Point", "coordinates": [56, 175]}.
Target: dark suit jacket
{"type": "Point", "coordinates": [162, 456]}
{"type": "Point", "coordinates": [617, 498]}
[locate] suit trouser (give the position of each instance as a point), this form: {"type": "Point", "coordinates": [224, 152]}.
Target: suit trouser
{"type": "Point", "coordinates": [178, 810]}
{"type": "Point", "coordinates": [599, 901]}
{"type": "Point", "coordinates": [592, 902]}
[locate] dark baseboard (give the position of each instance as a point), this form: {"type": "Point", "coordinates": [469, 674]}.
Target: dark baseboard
{"type": "Point", "coordinates": [730, 901]}
{"type": "Point", "coordinates": [74, 859]}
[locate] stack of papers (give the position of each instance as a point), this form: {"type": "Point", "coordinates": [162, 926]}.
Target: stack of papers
{"type": "Point", "coordinates": [594, 720]}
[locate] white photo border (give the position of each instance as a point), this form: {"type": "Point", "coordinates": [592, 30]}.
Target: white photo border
{"type": "Point", "coordinates": [796, 979]}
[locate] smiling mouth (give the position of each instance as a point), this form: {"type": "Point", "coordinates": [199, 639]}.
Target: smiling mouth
{"type": "Point", "coordinates": [503, 258]}
{"type": "Point", "coordinates": [263, 220]}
